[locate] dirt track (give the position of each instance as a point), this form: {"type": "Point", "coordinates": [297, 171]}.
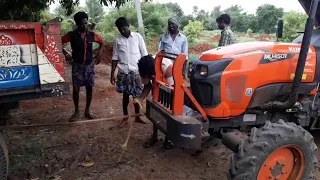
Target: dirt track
{"type": "Point", "coordinates": [56, 152]}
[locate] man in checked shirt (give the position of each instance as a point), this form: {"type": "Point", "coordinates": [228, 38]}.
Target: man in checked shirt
{"type": "Point", "coordinates": [227, 36]}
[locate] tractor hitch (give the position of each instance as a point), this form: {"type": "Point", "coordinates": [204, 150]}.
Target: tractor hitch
{"type": "Point", "coordinates": [231, 141]}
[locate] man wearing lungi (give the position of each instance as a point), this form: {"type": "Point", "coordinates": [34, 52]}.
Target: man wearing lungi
{"type": "Point", "coordinates": [81, 41]}
{"type": "Point", "coordinates": [128, 48]}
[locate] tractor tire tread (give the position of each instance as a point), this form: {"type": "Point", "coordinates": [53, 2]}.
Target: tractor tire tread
{"type": "Point", "coordinates": [253, 151]}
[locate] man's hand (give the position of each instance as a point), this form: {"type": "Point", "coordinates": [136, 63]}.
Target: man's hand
{"type": "Point", "coordinates": [137, 101]}
{"type": "Point", "coordinates": [113, 79]}
{"type": "Point", "coordinates": [99, 55]}
{"type": "Point", "coordinates": [68, 58]}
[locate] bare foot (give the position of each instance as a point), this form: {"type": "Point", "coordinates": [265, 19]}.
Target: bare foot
{"type": "Point", "coordinates": [123, 122]}
{"type": "Point", "coordinates": [139, 120]}
{"type": "Point", "coordinates": [75, 116]}
{"type": "Point", "coordinates": [90, 116]}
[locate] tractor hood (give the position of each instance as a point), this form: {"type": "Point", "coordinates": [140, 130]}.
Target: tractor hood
{"type": "Point", "coordinates": [250, 48]}
{"type": "Point", "coordinates": [306, 6]}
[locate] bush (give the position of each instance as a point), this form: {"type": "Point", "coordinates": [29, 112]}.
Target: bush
{"type": "Point", "coordinates": [193, 30]}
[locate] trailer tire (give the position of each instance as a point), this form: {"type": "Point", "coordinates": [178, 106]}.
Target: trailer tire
{"type": "Point", "coordinates": [4, 159]}
{"type": "Point", "coordinates": [264, 154]}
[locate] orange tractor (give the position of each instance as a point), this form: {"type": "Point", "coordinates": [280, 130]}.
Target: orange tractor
{"type": "Point", "coordinates": [269, 87]}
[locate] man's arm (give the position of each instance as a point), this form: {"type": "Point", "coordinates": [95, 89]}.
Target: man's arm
{"type": "Point", "coordinates": [160, 47]}
{"type": "Point", "coordinates": [185, 48]}
{"type": "Point", "coordinates": [98, 40]}
{"type": "Point", "coordinates": [64, 40]}
{"type": "Point", "coordinates": [115, 59]}
{"type": "Point", "coordinates": [146, 90]}
{"type": "Point", "coordinates": [225, 38]}
{"type": "Point", "coordinates": [142, 46]}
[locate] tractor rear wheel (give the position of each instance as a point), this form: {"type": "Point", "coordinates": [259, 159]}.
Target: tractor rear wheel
{"type": "Point", "coordinates": [277, 151]}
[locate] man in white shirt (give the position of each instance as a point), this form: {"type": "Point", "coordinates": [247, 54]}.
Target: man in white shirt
{"type": "Point", "coordinates": [128, 49]}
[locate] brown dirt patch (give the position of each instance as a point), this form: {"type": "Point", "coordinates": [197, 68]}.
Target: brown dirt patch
{"type": "Point", "coordinates": [215, 38]}
{"type": "Point", "coordinates": [106, 56]}
{"type": "Point", "coordinates": [264, 37]}
{"type": "Point", "coordinates": [200, 48]}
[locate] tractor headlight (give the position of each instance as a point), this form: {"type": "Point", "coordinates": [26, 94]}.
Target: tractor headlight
{"type": "Point", "coordinates": [190, 67]}
{"type": "Point", "coordinates": [203, 70]}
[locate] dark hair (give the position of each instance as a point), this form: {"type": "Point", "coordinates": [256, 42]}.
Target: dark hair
{"type": "Point", "coordinates": [146, 65]}
{"type": "Point", "coordinates": [79, 16]}
{"type": "Point", "coordinates": [121, 22]}
{"type": "Point", "coordinates": [225, 18]}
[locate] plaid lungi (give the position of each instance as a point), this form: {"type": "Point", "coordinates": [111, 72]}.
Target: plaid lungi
{"type": "Point", "coordinates": [129, 83]}
{"type": "Point", "coordinates": [82, 75]}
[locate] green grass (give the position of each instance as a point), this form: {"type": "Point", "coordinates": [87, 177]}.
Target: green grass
{"type": "Point", "coordinates": [22, 158]}
{"type": "Point", "coordinates": [193, 56]}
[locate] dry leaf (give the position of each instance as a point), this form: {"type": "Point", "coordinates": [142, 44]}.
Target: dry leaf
{"type": "Point", "coordinates": [86, 164]}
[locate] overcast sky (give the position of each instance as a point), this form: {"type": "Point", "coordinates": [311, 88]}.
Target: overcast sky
{"type": "Point", "coordinates": [249, 5]}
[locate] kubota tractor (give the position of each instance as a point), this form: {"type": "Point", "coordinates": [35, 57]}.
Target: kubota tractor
{"type": "Point", "coordinates": [269, 87]}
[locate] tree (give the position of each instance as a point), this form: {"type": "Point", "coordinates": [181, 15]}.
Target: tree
{"type": "Point", "coordinates": [239, 18]}
{"type": "Point", "coordinates": [193, 30]}
{"type": "Point", "coordinates": [30, 10]}
{"type": "Point", "coordinates": [293, 22]}
{"type": "Point", "coordinates": [185, 20]}
{"type": "Point", "coordinates": [267, 17]}
{"type": "Point", "coordinates": [175, 8]}
{"type": "Point", "coordinates": [216, 12]}
{"type": "Point", "coordinates": [95, 10]}
{"type": "Point", "coordinates": [211, 23]}
{"type": "Point", "coordinates": [155, 16]}
{"type": "Point", "coordinates": [46, 15]}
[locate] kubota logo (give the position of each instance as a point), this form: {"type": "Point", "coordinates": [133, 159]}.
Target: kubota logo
{"type": "Point", "coordinates": [297, 49]}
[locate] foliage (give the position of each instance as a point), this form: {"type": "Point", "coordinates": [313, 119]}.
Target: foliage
{"type": "Point", "coordinates": [45, 16]}
{"type": "Point", "coordinates": [293, 22]}
{"type": "Point", "coordinates": [155, 18]}
{"type": "Point", "coordinates": [249, 31]}
{"type": "Point", "coordinates": [268, 16]}
{"type": "Point", "coordinates": [95, 10]}
{"type": "Point", "coordinates": [67, 23]}
{"type": "Point", "coordinates": [193, 30]}
{"type": "Point", "coordinates": [30, 10]}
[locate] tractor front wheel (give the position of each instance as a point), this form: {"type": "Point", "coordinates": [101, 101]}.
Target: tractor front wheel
{"type": "Point", "coordinates": [278, 151]}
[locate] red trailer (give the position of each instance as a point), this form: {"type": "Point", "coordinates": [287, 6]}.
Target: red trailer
{"type": "Point", "coordinates": [31, 67]}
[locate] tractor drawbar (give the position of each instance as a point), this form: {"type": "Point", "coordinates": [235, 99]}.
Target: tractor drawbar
{"type": "Point", "coordinates": [231, 141]}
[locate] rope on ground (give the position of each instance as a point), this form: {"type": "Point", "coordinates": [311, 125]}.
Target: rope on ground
{"type": "Point", "coordinates": [125, 145]}
{"type": "Point", "coordinates": [69, 123]}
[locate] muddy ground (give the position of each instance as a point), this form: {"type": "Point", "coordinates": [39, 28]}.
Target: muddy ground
{"type": "Point", "coordinates": [57, 152]}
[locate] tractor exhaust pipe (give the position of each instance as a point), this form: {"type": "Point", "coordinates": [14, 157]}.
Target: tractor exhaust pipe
{"type": "Point", "coordinates": [304, 50]}
{"type": "Point", "coordinates": [231, 141]}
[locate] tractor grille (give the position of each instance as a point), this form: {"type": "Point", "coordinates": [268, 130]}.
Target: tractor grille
{"type": "Point", "coordinates": [207, 93]}
{"type": "Point", "coordinates": [165, 96]}
{"type": "Point", "coordinates": [202, 92]}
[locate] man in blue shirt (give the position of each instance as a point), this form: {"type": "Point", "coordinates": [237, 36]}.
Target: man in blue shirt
{"type": "Point", "coordinates": [173, 41]}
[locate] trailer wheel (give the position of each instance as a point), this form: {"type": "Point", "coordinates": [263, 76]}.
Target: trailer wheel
{"type": "Point", "coordinates": [276, 151]}
{"type": "Point", "coordinates": [4, 159]}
